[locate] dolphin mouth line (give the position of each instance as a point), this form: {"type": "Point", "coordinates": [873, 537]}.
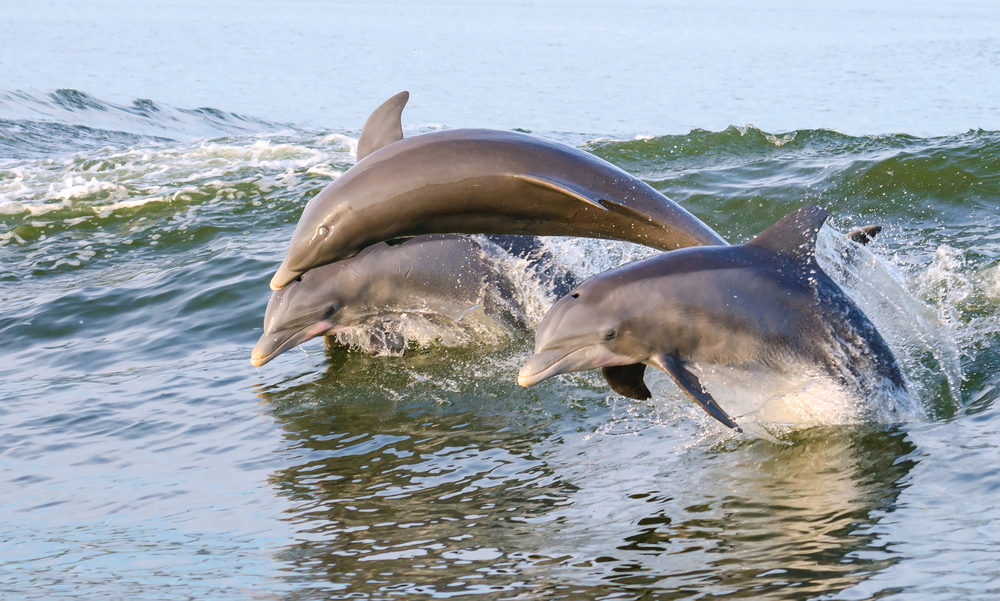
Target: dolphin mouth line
{"type": "Point", "coordinates": [268, 349]}
{"type": "Point", "coordinates": [552, 369]}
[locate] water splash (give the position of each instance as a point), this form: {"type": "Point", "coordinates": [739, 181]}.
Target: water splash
{"type": "Point", "coordinates": [924, 345]}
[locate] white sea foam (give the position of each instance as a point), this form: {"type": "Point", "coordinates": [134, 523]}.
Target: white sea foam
{"type": "Point", "coordinates": [801, 396]}
{"type": "Point", "coordinates": [344, 142]}
{"type": "Point", "coordinates": [991, 278]}
{"type": "Point", "coordinates": [9, 207]}
{"type": "Point", "coordinates": [393, 333]}
{"type": "Point", "coordinates": [106, 210]}
{"type": "Point", "coordinates": [923, 343]}
{"type": "Point", "coordinates": [945, 280]}
{"type": "Point", "coordinates": [78, 187]}
{"type": "Point", "coordinates": [139, 176]}
{"type": "Point", "coordinates": [325, 170]}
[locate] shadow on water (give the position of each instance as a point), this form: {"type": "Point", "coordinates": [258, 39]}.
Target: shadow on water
{"type": "Point", "coordinates": [431, 474]}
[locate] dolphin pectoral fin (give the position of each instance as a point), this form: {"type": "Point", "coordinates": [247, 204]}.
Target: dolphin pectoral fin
{"type": "Point", "coordinates": [865, 234]}
{"type": "Point", "coordinates": [690, 384]}
{"type": "Point", "coordinates": [626, 380]}
{"type": "Point", "coordinates": [562, 187]}
{"type": "Point", "coordinates": [384, 126]}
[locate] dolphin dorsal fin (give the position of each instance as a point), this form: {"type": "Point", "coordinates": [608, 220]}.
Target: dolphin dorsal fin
{"type": "Point", "coordinates": [794, 235]}
{"type": "Point", "coordinates": [384, 126]}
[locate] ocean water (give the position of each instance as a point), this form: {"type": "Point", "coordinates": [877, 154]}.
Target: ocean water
{"type": "Point", "coordinates": [154, 160]}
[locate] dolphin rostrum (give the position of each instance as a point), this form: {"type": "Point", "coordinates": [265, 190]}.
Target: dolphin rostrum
{"type": "Point", "coordinates": [477, 181]}
{"type": "Point", "coordinates": [766, 303]}
{"type": "Point", "coordinates": [442, 277]}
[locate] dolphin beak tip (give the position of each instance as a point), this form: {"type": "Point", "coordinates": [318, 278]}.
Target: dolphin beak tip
{"type": "Point", "coordinates": [260, 354]}
{"type": "Point", "coordinates": [522, 378]}
{"type": "Point", "coordinates": [527, 378]}
{"type": "Point", "coordinates": [283, 277]}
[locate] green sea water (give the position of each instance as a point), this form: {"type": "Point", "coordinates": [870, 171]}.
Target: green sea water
{"type": "Point", "coordinates": [142, 456]}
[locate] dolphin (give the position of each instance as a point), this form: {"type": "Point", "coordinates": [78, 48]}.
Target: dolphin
{"type": "Point", "coordinates": [439, 276]}
{"type": "Point", "coordinates": [864, 234]}
{"type": "Point", "coordinates": [766, 303]}
{"type": "Point", "coordinates": [477, 181]}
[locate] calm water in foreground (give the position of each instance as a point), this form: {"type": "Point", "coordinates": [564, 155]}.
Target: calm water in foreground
{"type": "Point", "coordinates": [141, 456]}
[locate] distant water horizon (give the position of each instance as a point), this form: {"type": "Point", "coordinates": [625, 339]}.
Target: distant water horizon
{"type": "Point", "coordinates": [624, 68]}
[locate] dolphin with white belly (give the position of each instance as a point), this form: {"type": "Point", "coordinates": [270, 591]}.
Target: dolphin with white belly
{"type": "Point", "coordinates": [477, 181]}
{"type": "Point", "coordinates": [442, 277]}
{"type": "Point", "coordinates": [764, 304]}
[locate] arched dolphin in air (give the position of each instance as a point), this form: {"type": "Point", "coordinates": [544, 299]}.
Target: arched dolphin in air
{"type": "Point", "coordinates": [766, 303]}
{"type": "Point", "coordinates": [478, 181]}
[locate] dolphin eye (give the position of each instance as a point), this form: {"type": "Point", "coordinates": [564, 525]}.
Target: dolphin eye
{"type": "Point", "coordinates": [575, 295]}
{"type": "Point", "coordinates": [610, 334]}
{"type": "Point", "coordinates": [330, 311]}
{"type": "Point", "coordinates": [322, 231]}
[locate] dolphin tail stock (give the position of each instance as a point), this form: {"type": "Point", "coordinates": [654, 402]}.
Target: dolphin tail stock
{"type": "Point", "coordinates": [690, 384]}
{"type": "Point", "coordinates": [795, 234]}
{"type": "Point", "coordinates": [626, 380]}
{"type": "Point", "coordinates": [864, 234]}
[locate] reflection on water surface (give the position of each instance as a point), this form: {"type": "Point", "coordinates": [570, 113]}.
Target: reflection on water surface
{"type": "Point", "coordinates": [509, 491]}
